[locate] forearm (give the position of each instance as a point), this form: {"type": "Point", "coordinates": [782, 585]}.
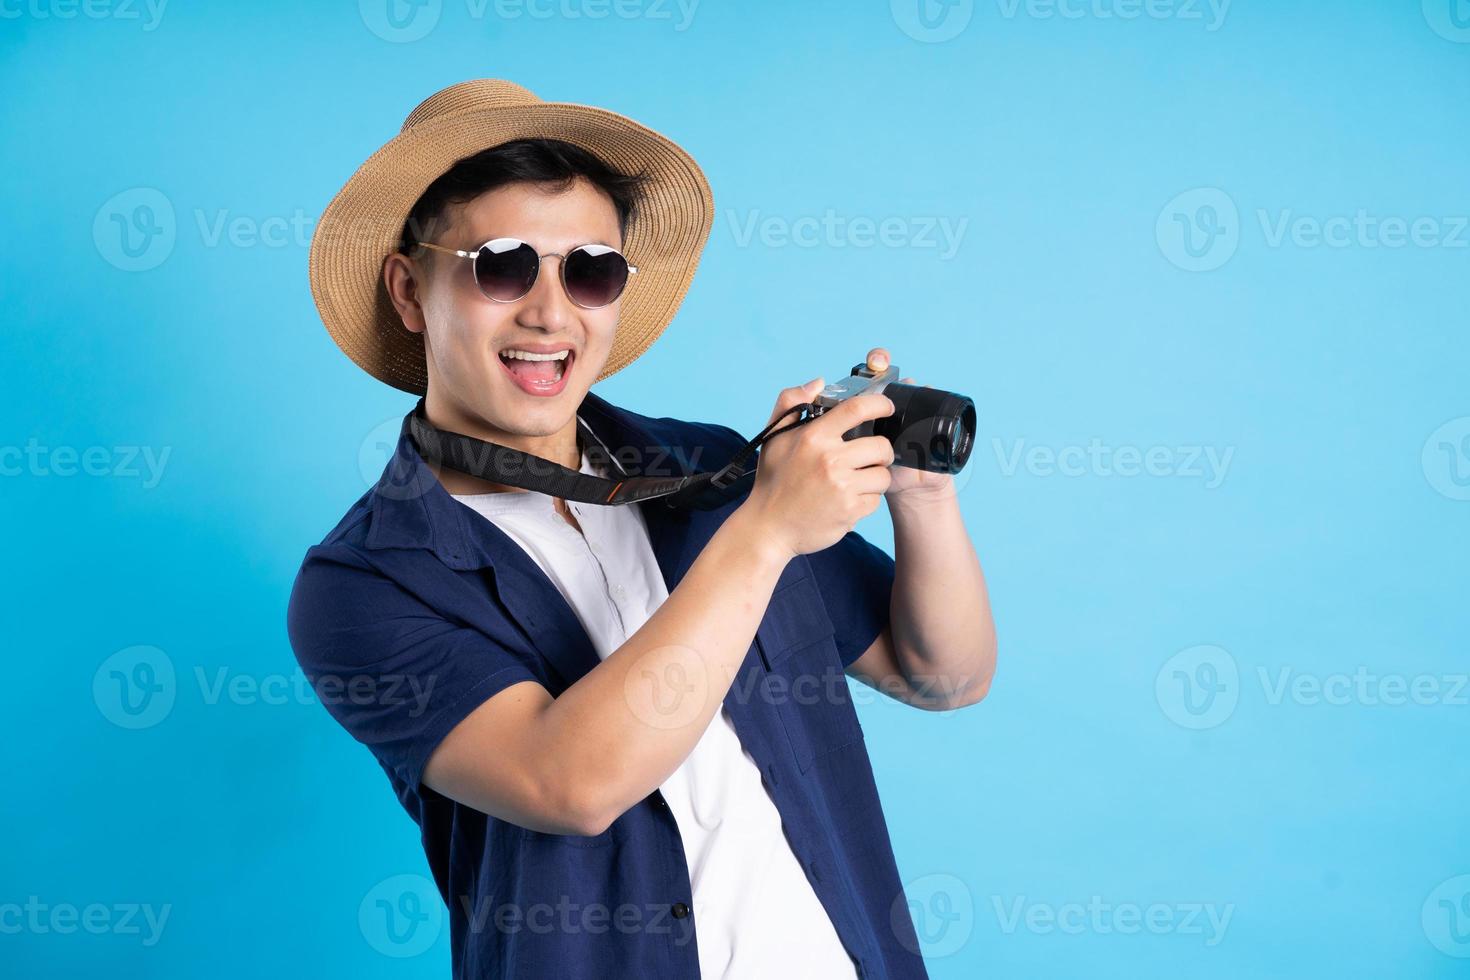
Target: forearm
{"type": "Point", "coordinates": [622, 729]}
{"type": "Point", "coordinates": [940, 621]}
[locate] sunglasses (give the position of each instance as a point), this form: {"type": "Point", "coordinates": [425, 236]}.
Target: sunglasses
{"type": "Point", "coordinates": [506, 269]}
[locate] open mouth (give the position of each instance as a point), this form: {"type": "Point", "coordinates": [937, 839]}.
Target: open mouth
{"type": "Point", "coordinates": [538, 372]}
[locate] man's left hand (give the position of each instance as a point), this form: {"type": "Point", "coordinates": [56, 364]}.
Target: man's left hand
{"type": "Point", "coordinates": [910, 485]}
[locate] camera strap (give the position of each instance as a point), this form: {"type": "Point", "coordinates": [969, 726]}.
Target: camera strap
{"type": "Point", "coordinates": [516, 468]}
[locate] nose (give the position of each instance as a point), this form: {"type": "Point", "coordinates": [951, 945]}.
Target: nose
{"type": "Point", "coordinates": [547, 306]}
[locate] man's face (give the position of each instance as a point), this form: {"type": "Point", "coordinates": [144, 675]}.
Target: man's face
{"type": "Point", "coordinates": [466, 333]}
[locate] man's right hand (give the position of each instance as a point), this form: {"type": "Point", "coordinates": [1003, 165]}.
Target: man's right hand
{"type": "Point", "coordinates": [812, 486]}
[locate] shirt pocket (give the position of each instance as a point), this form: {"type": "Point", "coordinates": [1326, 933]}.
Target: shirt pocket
{"type": "Point", "coordinates": [804, 682]}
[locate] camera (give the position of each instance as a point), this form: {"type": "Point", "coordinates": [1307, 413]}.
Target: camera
{"type": "Point", "coordinates": [930, 429]}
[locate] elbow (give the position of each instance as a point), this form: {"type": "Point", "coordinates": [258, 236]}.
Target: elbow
{"type": "Point", "coordinates": [965, 690]}
{"type": "Point", "coordinates": [570, 820]}
{"type": "Point", "coordinates": [972, 692]}
{"type": "Point", "coordinates": [590, 818]}
{"type": "Point", "coordinates": [582, 809]}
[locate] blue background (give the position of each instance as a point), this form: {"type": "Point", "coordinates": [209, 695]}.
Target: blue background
{"type": "Point", "coordinates": [1137, 750]}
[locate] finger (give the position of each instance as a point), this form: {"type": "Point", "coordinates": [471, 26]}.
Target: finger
{"type": "Point", "coordinates": [867, 451]}
{"type": "Point", "coordinates": [791, 397]}
{"type": "Point", "coordinates": [878, 359]}
{"type": "Point", "coordinates": [856, 410]}
{"type": "Point", "coordinates": [876, 479]}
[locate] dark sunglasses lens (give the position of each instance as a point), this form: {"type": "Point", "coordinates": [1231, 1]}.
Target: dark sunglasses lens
{"type": "Point", "coordinates": [595, 275]}
{"type": "Point", "coordinates": [505, 269]}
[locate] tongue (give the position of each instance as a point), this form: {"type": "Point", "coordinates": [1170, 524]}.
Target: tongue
{"type": "Point", "coordinates": [534, 370]}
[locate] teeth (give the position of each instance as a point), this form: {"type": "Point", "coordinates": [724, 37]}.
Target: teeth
{"type": "Point", "coordinates": [522, 355]}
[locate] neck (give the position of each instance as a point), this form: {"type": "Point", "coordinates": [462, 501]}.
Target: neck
{"type": "Point", "coordinates": [562, 446]}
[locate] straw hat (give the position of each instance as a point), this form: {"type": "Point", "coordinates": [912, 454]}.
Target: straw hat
{"type": "Point", "coordinates": [364, 222]}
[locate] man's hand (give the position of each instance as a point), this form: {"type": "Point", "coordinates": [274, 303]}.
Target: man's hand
{"type": "Point", "coordinates": [908, 484]}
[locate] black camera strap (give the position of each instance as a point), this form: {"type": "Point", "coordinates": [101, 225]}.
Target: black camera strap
{"type": "Point", "coordinates": [516, 468]}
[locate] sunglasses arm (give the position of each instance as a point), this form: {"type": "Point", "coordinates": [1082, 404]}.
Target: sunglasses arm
{"type": "Point", "coordinates": [448, 251]}
{"type": "Point", "coordinates": [632, 269]}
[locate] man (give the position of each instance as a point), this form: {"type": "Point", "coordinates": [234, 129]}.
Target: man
{"type": "Point", "coordinates": [631, 749]}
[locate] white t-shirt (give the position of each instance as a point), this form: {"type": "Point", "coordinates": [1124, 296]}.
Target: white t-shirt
{"type": "Point", "coordinates": [756, 912]}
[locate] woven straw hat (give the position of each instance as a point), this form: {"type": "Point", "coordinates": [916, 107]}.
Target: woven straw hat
{"type": "Point", "coordinates": [364, 222]}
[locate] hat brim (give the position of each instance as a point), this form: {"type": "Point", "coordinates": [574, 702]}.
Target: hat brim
{"type": "Point", "coordinates": [364, 223]}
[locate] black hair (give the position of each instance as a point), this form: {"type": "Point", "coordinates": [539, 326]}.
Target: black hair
{"type": "Point", "coordinates": [539, 161]}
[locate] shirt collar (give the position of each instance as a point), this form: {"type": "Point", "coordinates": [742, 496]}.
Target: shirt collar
{"type": "Point", "coordinates": [411, 509]}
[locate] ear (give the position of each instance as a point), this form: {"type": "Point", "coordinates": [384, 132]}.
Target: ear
{"type": "Point", "coordinates": [404, 280]}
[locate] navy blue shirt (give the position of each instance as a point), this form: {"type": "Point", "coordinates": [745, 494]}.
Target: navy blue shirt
{"type": "Point", "coordinates": [415, 609]}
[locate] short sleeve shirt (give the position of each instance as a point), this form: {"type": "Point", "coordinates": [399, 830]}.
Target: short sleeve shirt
{"type": "Point", "coordinates": [414, 610]}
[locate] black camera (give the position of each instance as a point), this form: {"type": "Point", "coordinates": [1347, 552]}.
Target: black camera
{"type": "Point", "coordinates": [930, 429]}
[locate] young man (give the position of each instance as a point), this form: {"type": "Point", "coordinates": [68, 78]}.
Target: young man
{"type": "Point", "coordinates": [630, 746]}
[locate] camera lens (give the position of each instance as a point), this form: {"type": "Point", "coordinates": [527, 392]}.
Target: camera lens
{"type": "Point", "coordinates": [930, 429]}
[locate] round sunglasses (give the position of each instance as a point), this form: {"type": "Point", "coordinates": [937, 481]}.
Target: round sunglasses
{"type": "Point", "coordinates": [506, 269]}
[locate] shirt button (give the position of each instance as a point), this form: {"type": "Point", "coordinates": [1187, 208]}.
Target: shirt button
{"type": "Point", "coordinates": [680, 910]}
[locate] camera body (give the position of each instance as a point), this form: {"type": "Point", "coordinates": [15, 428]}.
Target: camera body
{"type": "Point", "coordinates": [930, 429]}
